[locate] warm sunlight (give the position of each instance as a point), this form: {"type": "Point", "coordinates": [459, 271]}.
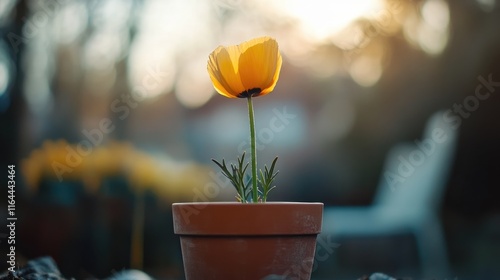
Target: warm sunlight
{"type": "Point", "coordinates": [312, 23]}
{"type": "Point", "coordinates": [322, 19]}
{"type": "Point", "coordinates": [431, 32]}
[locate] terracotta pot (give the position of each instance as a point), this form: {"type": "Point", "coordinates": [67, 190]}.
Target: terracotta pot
{"type": "Point", "coordinates": [226, 240]}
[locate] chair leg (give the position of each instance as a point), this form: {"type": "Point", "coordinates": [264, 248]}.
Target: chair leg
{"type": "Point", "coordinates": [432, 250]}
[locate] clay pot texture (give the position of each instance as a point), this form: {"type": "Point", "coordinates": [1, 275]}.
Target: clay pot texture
{"type": "Point", "coordinates": [226, 240]}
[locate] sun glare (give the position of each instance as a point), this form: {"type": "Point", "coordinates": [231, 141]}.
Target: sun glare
{"type": "Point", "coordinates": [321, 19]}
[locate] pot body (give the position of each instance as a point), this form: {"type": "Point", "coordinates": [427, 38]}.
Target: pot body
{"type": "Point", "coordinates": [272, 240]}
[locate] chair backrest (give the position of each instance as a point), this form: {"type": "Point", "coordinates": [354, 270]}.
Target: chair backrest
{"type": "Point", "coordinates": [415, 174]}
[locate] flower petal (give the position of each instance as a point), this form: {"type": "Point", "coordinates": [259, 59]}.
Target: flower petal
{"type": "Point", "coordinates": [226, 60]}
{"type": "Point", "coordinates": [218, 81]}
{"type": "Point", "coordinates": [274, 80]}
{"type": "Point", "coordinates": [259, 64]}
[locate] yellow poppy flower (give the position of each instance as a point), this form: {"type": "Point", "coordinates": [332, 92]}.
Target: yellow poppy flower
{"type": "Point", "coordinates": [249, 69]}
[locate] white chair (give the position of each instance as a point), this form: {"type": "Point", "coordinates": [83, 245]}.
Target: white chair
{"type": "Point", "coordinates": [409, 203]}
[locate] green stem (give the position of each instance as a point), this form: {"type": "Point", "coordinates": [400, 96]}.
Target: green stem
{"type": "Point", "coordinates": [254, 153]}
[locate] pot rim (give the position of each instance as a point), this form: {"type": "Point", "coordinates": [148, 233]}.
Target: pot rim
{"type": "Point", "coordinates": [235, 218]}
{"type": "Point", "coordinates": [246, 204]}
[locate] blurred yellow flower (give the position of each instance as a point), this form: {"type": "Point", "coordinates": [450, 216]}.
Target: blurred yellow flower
{"type": "Point", "coordinates": [249, 69]}
{"type": "Point", "coordinates": [170, 180]}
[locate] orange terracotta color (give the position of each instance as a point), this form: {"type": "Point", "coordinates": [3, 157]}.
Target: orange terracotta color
{"type": "Point", "coordinates": [226, 240]}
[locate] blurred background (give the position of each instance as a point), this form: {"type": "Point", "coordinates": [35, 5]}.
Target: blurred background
{"type": "Point", "coordinates": [109, 115]}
